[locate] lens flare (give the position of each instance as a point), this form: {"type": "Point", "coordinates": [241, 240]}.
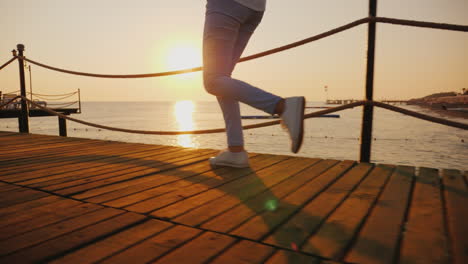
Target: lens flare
{"type": "Point", "coordinates": [271, 205]}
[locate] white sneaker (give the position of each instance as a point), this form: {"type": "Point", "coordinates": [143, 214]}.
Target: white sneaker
{"type": "Point", "coordinates": [292, 120]}
{"type": "Point", "coordinates": [230, 159]}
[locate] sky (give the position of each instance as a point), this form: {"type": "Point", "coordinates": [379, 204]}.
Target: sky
{"type": "Point", "coordinates": [147, 36]}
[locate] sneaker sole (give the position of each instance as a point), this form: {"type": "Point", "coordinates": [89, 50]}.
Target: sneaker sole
{"type": "Point", "coordinates": [301, 106]}
{"type": "Point", "coordinates": [222, 164]}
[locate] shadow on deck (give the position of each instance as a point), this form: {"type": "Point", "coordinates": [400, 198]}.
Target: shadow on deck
{"type": "Point", "coordinates": [77, 200]}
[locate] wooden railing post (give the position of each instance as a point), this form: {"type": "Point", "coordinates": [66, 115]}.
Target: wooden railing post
{"type": "Point", "coordinates": [79, 100]}
{"type": "Point", "coordinates": [24, 116]}
{"type": "Point", "coordinates": [62, 127]}
{"type": "Point", "coordinates": [368, 112]}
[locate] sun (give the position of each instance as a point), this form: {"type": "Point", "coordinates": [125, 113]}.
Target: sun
{"type": "Point", "coordinates": [183, 56]}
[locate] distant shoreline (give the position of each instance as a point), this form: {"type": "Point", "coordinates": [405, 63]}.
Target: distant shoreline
{"type": "Point", "coordinates": [449, 104]}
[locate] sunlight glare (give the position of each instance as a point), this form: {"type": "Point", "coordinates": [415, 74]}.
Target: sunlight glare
{"type": "Point", "coordinates": [183, 111]}
{"type": "Point", "coordinates": [183, 56]}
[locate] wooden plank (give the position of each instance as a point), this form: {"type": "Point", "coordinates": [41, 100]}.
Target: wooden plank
{"type": "Point", "coordinates": [76, 153]}
{"type": "Point", "coordinates": [207, 178]}
{"type": "Point", "coordinates": [91, 159]}
{"type": "Point", "coordinates": [378, 241]}
{"type": "Point", "coordinates": [22, 164]}
{"type": "Point", "coordinates": [233, 210]}
{"type": "Point", "coordinates": [425, 240]}
{"type": "Point", "coordinates": [53, 145]}
{"type": "Point", "coordinates": [199, 250]}
{"type": "Point", "coordinates": [28, 141]}
{"type": "Point", "coordinates": [75, 149]}
{"type": "Point", "coordinates": [246, 252]}
{"type": "Point", "coordinates": [38, 236]}
{"type": "Point", "coordinates": [335, 235]}
{"type": "Point", "coordinates": [456, 198]}
{"type": "Point", "coordinates": [242, 188]}
{"type": "Point", "coordinates": [45, 219]}
{"type": "Point", "coordinates": [142, 173]}
{"type": "Point", "coordinates": [148, 205]}
{"type": "Point", "coordinates": [155, 247]}
{"type": "Point", "coordinates": [166, 165]}
{"type": "Point", "coordinates": [287, 257]}
{"type": "Point", "coordinates": [11, 219]}
{"type": "Point", "coordinates": [20, 138]}
{"type": "Point", "coordinates": [23, 157]}
{"type": "Point", "coordinates": [15, 136]}
{"type": "Point", "coordinates": [307, 204]}
{"type": "Point", "coordinates": [19, 196]}
{"type": "Point", "coordinates": [270, 217]}
{"type": "Point", "coordinates": [59, 246]}
{"type": "Point", "coordinates": [109, 246]}
{"type": "Point", "coordinates": [47, 151]}
{"type": "Point", "coordinates": [99, 166]}
{"type": "Point", "coordinates": [63, 164]}
{"type": "Point", "coordinates": [5, 187]}
{"type": "Point", "coordinates": [32, 150]}
{"type": "Point", "coordinates": [60, 204]}
{"type": "Point", "coordinates": [26, 206]}
{"type": "Point", "coordinates": [295, 230]}
{"type": "Point", "coordinates": [178, 178]}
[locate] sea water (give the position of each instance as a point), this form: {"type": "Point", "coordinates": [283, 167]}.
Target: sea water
{"type": "Point", "coordinates": [397, 139]}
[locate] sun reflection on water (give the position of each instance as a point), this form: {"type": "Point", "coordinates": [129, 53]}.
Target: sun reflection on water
{"type": "Point", "coordinates": [183, 111]}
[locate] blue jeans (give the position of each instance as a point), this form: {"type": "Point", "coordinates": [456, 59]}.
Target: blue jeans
{"type": "Point", "coordinates": [228, 28]}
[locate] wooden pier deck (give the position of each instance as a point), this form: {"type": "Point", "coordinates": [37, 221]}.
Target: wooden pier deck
{"type": "Point", "coordinates": [71, 200]}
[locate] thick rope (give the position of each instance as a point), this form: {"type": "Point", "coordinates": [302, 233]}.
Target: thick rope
{"type": "Point", "coordinates": [259, 125]}
{"type": "Point", "coordinates": [6, 63]}
{"type": "Point", "coordinates": [206, 131]}
{"type": "Point", "coordinates": [53, 95]}
{"type": "Point", "coordinates": [271, 51]}
{"type": "Point", "coordinates": [307, 40]}
{"type": "Point", "coordinates": [419, 115]}
{"type": "Point", "coordinates": [63, 105]}
{"type": "Point", "coordinates": [52, 99]}
{"type": "Point", "coordinates": [147, 75]}
{"type": "Point", "coordinates": [251, 57]}
{"type": "Point", "coordinates": [412, 23]}
{"type": "Point", "coordinates": [9, 102]}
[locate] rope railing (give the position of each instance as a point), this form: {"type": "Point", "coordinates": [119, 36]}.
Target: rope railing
{"type": "Point", "coordinates": [196, 69]}
{"type": "Point", "coordinates": [53, 95]}
{"type": "Point", "coordinates": [52, 99]}
{"type": "Point", "coordinates": [419, 115]}
{"type": "Point", "coordinates": [9, 102]}
{"type": "Point", "coordinates": [413, 23]}
{"type": "Point", "coordinates": [8, 62]}
{"type": "Point", "coordinates": [405, 22]}
{"type": "Point", "coordinates": [146, 75]}
{"type": "Point", "coordinates": [62, 105]}
{"type": "Point", "coordinates": [204, 131]}
{"type": "Point", "coordinates": [263, 124]}
{"type": "Point", "coordinates": [259, 125]}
